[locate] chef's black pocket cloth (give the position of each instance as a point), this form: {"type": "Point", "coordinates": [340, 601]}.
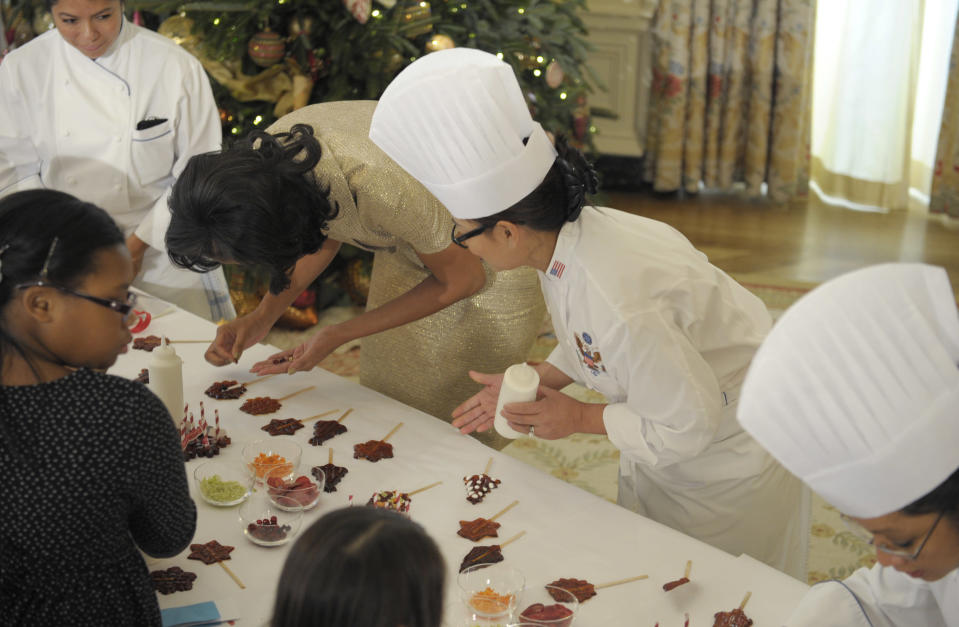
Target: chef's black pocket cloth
{"type": "Point", "coordinates": [149, 123]}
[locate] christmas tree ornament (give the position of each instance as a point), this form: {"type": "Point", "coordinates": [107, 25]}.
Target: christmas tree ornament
{"type": "Point", "coordinates": [226, 117]}
{"type": "Point", "coordinates": [439, 41]}
{"type": "Point", "coordinates": [554, 74]}
{"type": "Point", "coordinates": [359, 8]}
{"type": "Point", "coordinates": [301, 25]}
{"type": "Point", "coordinates": [42, 22]}
{"type": "Point", "coordinates": [179, 29]}
{"type": "Point", "coordinates": [22, 32]}
{"type": "Point", "coordinates": [266, 48]}
{"type": "Point", "coordinates": [414, 19]}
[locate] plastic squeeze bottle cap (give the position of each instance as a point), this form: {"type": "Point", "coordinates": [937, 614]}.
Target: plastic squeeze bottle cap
{"type": "Point", "coordinates": [520, 382]}
{"type": "Point", "coordinates": [166, 379]}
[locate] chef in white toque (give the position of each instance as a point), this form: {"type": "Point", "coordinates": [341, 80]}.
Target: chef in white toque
{"type": "Point", "coordinates": [856, 391]}
{"type": "Point", "coordinates": [640, 315]}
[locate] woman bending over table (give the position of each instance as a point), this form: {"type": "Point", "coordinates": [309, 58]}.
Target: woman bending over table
{"type": "Point", "coordinates": [640, 315]}
{"type": "Point", "coordinates": [92, 467]}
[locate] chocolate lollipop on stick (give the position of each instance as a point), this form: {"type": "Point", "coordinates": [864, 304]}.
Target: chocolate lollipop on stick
{"type": "Point", "coordinates": [331, 473]}
{"type": "Point", "coordinates": [582, 589]}
{"type": "Point", "coordinates": [327, 429]}
{"type": "Point", "coordinates": [267, 405]}
{"type": "Point", "coordinates": [621, 581]}
{"type": "Point", "coordinates": [214, 552]}
{"type": "Point", "coordinates": [478, 486]}
{"type": "Point", "coordinates": [425, 488]}
{"type": "Point", "coordinates": [734, 618]}
{"type": "Point", "coordinates": [258, 379]}
{"type": "Point", "coordinates": [375, 450]}
{"type": "Point", "coordinates": [678, 582]}
{"type": "Point", "coordinates": [480, 528]}
{"type": "Point", "coordinates": [486, 555]}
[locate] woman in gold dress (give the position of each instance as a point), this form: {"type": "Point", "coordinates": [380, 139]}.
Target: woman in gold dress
{"type": "Point", "coordinates": [286, 199]}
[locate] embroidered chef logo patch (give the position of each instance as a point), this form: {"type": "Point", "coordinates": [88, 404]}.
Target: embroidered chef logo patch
{"type": "Point", "coordinates": [589, 353]}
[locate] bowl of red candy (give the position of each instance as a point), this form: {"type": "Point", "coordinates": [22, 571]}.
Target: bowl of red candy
{"type": "Point", "coordinates": [549, 605]}
{"type": "Point", "coordinates": [266, 524]}
{"type": "Point", "coordinates": [300, 493]}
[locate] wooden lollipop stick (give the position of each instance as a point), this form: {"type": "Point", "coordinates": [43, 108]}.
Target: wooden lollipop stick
{"type": "Point", "coordinates": [689, 568]}
{"type": "Point", "coordinates": [394, 430]}
{"type": "Point", "coordinates": [326, 413]}
{"type": "Point", "coordinates": [289, 396]}
{"type": "Point", "coordinates": [189, 341]}
{"type": "Point", "coordinates": [331, 456]}
{"type": "Point", "coordinates": [232, 575]}
{"type": "Point", "coordinates": [513, 539]}
{"type": "Point", "coordinates": [504, 510]}
{"type": "Point", "coordinates": [742, 605]}
{"type": "Point", "coordinates": [619, 581]}
{"type": "Point", "coordinates": [424, 488]}
{"type": "Point", "coordinates": [488, 465]}
{"type": "Point", "coordinates": [258, 379]}
{"type": "Point", "coordinates": [345, 414]}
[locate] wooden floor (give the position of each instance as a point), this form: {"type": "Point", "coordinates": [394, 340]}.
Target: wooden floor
{"type": "Point", "coordinates": [804, 242]}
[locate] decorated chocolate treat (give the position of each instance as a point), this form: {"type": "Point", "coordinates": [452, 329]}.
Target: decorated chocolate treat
{"type": "Point", "coordinates": [210, 553]}
{"type": "Point", "coordinates": [478, 486]}
{"type": "Point", "coordinates": [478, 529]}
{"type": "Point", "coordinates": [146, 343]}
{"type": "Point", "coordinates": [143, 377]}
{"type": "Point", "coordinates": [323, 430]}
{"type": "Point", "coordinates": [173, 579]}
{"type": "Point", "coordinates": [580, 588]}
{"type": "Point", "coordinates": [548, 615]}
{"type": "Point", "coordinates": [206, 446]}
{"type": "Point", "coordinates": [333, 475]}
{"type": "Point", "coordinates": [675, 584]}
{"type": "Point", "coordinates": [482, 555]}
{"type": "Point", "coordinates": [260, 405]}
{"type": "Point", "coordinates": [391, 499]}
{"type": "Point", "coordinates": [373, 450]}
{"type": "Point", "coordinates": [286, 426]}
{"type": "Point", "coordinates": [734, 618]}
{"type": "Point", "coordinates": [226, 390]}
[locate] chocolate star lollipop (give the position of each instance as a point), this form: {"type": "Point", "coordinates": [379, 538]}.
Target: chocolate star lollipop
{"type": "Point", "coordinates": [267, 405]}
{"type": "Point", "coordinates": [146, 343]}
{"type": "Point", "coordinates": [582, 589]}
{"type": "Point", "coordinates": [231, 389]}
{"type": "Point", "coordinates": [332, 473]}
{"type": "Point", "coordinates": [486, 555]}
{"type": "Point", "coordinates": [326, 429]}
{"type": "Point", "coordinates": [214, 553]}
{"type": "Point", "coordinates": [480, 528]}
{"type": "Point", "coordinates": [375, 450]}
{"type": "Point", "coordinates": [286, 426]}
{"type": "Point", "coordinates": [173, 579]}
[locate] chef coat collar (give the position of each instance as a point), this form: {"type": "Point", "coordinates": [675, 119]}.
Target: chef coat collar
{"type": "Point", "coordinates": [107, 59]}
{"type": "Point", "coordinates": [558, 267]}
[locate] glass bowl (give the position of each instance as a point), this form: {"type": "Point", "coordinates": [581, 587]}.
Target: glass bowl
{"type": "Point", "coordinates": [266, 524]}
{"type": "Point", "coordinates": [223, 483]}
{"type": "Point", "coordinates": [303, 491]}
{"type": "Point", "coordinates": [490, 593]}
{"type": "Point", "coordinates": [268, 459]}
{"type": "Point", "coordinates": [549, 605]}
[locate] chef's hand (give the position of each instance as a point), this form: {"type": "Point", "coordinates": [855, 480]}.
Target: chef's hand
{"type": "Point", "coordinates": [236, 336]}
{"type": "Point", "coordinates": [552, 415]}
{"type": "Point", "coordinates": [303, 357]}
{"type": "Point", "coordinates": [477, 412]}
{"type": "Point", "coordinates": [137, 248]}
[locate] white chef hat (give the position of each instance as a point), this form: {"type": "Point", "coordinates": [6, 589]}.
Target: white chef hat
{"type": "Point", "coordinates": [456, 120]}
{"type": "Point", "coordinates": [856, 389]}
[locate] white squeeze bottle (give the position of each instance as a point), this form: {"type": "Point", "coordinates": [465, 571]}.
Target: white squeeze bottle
{"type": "Point", "coordinates": [520, 382]}
{"type": "Point", "coordinates": [166, 379]}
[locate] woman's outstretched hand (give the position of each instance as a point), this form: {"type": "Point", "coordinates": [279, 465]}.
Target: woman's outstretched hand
{"type": "Point", "coordinates": [477, 412]}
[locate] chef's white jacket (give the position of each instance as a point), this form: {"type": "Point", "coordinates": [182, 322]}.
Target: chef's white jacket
{"type": "Point", "coordinates": [880, 597]}
{"type": "Point", "coordinates": [71, 123]}
{"type": "Point", "coordinates": [643, 318]}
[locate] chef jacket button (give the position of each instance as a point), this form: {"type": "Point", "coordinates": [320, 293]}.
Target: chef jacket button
{"type": "Point", "coordinates": [72, 180]}
{"type": "Point", "coordinates": [66, 133]}
{"type": "Point", "coordinates": [116, 187]}
{"type": "Point", "coordinates": [118, 139]}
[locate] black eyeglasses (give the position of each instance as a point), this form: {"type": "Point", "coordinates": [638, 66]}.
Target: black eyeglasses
{"type": "Point", "coordinates": [459, 239]}
{"type": "Point", "coordinates": [122, 307]}
{"type": "Point", "coordinates": [864, 534]}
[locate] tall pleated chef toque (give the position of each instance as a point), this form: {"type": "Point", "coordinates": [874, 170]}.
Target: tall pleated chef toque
{"type": "Point", "coordinates": [856, 389]}
{"type": "Point", "coordinates": [456, 120]}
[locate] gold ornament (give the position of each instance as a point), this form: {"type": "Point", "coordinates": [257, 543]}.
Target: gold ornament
{"type": "Point", "coordinates": [554, 74]}
{"type": "Point", "coordinates": [414, 19]}
{"type": "Point", "coordinates": [266, 48]}
{"type": "Point", "coordinates": [42, 22]}
{"type": "Point", "coordinates": [439, 41]}
{"type": "Point", "coordinates": [301, 25]}
{"type": "Point", "coordinates": [179, 29]}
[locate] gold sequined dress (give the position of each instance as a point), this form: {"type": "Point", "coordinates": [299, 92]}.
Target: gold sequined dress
{"type": "Point", "coordinates": [382, 209]}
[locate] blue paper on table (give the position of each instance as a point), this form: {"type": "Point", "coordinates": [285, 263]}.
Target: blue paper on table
{"type": "Point", "coordinates": [198, 614]}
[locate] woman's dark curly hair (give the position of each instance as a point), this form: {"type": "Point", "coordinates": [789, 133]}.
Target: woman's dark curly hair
{"type": "Point", "coordinates": [944, 498]}
{"type": "Point", "coordinates": [255, 203]}
{"type": "Point", "coordinates": [558, 199]}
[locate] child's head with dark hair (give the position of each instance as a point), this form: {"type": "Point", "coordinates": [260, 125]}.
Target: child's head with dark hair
{"type": "Point", "coordinates": [256, 203]}
{"type": "Point", "coordinates": [64, 269]}
{"type": "Point", "coordinates": [363, 567]}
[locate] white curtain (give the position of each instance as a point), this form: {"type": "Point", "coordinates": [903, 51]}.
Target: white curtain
{"type": "Point", "coordinates": [879, 82]}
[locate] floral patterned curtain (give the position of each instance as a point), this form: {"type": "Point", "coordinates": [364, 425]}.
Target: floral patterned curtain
{"type": "Point", "coordinates": [945, 179]}
{"type": "Point", "coordinates": [730, 99]}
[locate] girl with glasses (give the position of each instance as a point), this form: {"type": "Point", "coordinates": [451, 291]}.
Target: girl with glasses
{"type": "Point", "coordinates": [640, 315]}
{"type": "Point", "coordinates": [285, 200]}
{"type": "Point", "coordinates": [856, 391]}
{"type": "Point", "coordinates": [92, 467]}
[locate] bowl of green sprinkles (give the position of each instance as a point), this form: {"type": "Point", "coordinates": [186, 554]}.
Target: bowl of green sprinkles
{"type": "Point", "coordinates": [223, 483]}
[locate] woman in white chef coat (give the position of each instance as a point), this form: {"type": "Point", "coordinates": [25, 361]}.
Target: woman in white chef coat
{"type": "Point", "coordinates": [856, 391]}
{"type": "Point", "coordinates": [640, 314]}
{"type": "Point", "coordinates": [111, 112]}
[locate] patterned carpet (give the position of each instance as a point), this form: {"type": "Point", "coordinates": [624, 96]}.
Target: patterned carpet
{"type": "Point", "coordinates": [590, 462]}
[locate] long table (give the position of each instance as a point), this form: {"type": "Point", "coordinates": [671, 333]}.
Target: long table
{"type": "Point", "coordinates": [569, 532]}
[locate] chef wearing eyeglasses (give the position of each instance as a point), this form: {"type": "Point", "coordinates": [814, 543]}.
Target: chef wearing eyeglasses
{"type": "Point", "coordinates": [856, 391]}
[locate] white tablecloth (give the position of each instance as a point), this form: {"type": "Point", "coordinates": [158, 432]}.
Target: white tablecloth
{"type": "Point", "coordinates": [569, 532]}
